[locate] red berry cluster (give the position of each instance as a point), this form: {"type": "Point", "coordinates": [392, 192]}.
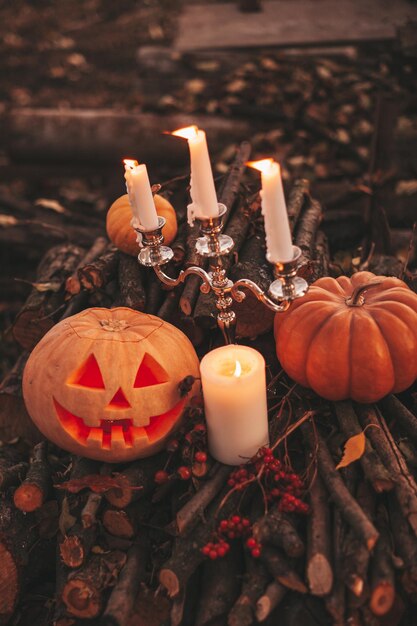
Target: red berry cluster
{"type": "Point", "coordinates": [235, 527]}
{"type": "Point", "coordinates": [187, 454]}
{"type": "Point", "coordinates": [239, 477]}
{"type": "Point", "coordinates": [254, 547]}
{"type": "Point", "coordinates": [215, 550]}
{"type": "Point", "coordinates": [280, 484]}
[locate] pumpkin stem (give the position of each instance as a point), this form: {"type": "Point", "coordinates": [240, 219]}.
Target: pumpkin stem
{"type": "Point", "coordinates": [358, 298]}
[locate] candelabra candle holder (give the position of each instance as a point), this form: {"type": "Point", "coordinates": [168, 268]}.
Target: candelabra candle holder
{"type": "Point", "coordinates": [214, 245]}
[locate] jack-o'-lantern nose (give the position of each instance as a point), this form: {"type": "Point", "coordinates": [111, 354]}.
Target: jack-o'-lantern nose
{"type": "Point", "coordinates": [119, 401]}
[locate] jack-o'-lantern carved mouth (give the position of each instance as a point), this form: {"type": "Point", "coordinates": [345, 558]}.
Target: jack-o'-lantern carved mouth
{"type": "Point", "coordinates": [120, 433]}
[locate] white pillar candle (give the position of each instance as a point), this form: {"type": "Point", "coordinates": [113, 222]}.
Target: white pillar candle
{"type": "Point", "coordinates": [234, 390]}
{"type": "Point", "coordinates": [140, 194]}
{"type": "Point", "coordinates": [277, 228]}
{"type": "Point", "coordinates": [202, 189]}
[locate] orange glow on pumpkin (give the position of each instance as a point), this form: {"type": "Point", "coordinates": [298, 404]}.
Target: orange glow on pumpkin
{"type": "Point", "coordinates": [103, 383]}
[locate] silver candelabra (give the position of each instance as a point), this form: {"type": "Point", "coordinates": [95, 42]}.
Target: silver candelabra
{"type": "Point", "coordinates": [213, 244]}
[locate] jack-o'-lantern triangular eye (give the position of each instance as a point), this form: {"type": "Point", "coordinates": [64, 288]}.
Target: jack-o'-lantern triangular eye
{"type": "Point", "coordinates": [150, 373]}
{"type": "Point", "coordinates": [88, 375]}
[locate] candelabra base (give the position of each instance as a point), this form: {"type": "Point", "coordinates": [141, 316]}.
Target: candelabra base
{"type": "Point", "coordinates": [281, 289]}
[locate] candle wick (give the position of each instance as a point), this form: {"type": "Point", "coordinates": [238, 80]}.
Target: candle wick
{"type": "Point", "coordinates": [238, 369]}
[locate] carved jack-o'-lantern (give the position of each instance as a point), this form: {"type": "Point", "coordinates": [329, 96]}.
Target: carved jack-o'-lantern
{"type": "Point", "coordinates": [104, 383]}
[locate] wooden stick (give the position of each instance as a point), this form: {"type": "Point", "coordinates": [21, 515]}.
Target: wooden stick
{"type": "Point", "coordinates": [170, 305]}
{"type": "Point", "coordinates": [281, 569]}
{"type": "Point", "coordinates": [254, 585]}
{"type": "Point", "coordinates": [89, 511]}
{"type": "Point", "coordinates": [253, 317]}
{"type": "Point", "coordinates": [12, 475]}
{"type": "Point", "coordinates": [277, 529]}
{"type": "Point", "coordinates": [319, 571]}
{"type": "Point", "coordinates": [307, 228]}
{"type": "Point", "coordinates": [179, 245]}
{"type": "Point", "coordinates": [190, 514]}
{"type": "Point", "coordinates": [355, 553]}
{"type": "Point", "coordinates": [121, 601]}
{"type": "Point", "coordinates": [12, 467]}
{"type": "Point", "coordinates": [393, 408]}
{"type": "Point", "coordinates": [405, 546]}
{"type": "Point", "coordinates": [39, 312]}
{"type": "Point", "coordinates": [335, 601]}
{"type": "Point", "coordinates": [297, 199]}
{"type": "Point", "coordinates": [121, 522]}
{"type": "Point", "coordinates": [32, 493]}
{"type": "Point", "coordinates": [273, 595]}
{"type": "Point", "coordinates": [84, 589]}
{"type": "Point", "coordinates": [186, 554]}
{"type": "Point", "coordinates": [220, 588]}
{"type": "Point", "coordinates": [382, 571]}
{"type": "Point", "coordinates": [24, 558]}
{"type": "Point", "coordinates": [374, 470]}
{"type": "Point", "coordinates": [97, 274]}
{"type": "Point", "coordinates": [348, 506]}
{"type": "Point", "coordinates": [382, 440]}
{"type": "Point", "coordinates": [130, 279]}
{"type": "Point", "coordinates": [72, 284]}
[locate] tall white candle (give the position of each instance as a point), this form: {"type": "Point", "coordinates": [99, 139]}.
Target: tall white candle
{"type": "Point", "coordinates": [140, 194]}
{"type": "Point", "coordinates": [234, 390]}
{"type": "Point", "coordinates": [202, 189]}
{"type": "Point", "coordinates": [274, 210]}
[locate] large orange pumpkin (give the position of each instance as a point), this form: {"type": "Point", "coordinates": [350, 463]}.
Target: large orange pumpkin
{"type": "Point", "coordinates": [351, 337]}
{"type": "Point", "coordinates": [104, 383]}
{"type": "Point", "coordinates": [121, 232]}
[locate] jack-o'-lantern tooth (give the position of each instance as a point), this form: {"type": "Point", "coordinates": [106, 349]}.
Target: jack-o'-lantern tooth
{"type": "Point", "coordinates": [95, 437]}
{"type": "Point", "coordinates": [139, 433]}
{"type": "Point", "coordinates": [117, 437]}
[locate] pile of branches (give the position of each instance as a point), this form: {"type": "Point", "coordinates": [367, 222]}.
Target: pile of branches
{"type": "Point", "coordinates": [161, 539]}
{"type": "Point", "coordinates": [200, 543]}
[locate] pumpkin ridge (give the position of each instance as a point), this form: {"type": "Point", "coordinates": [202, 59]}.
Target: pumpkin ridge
{"type": "Point", "coordinates": [328, 334]}
{"type": "Point", "coordinates": [387, 343]}
{"type": "Point", "coordinates": [350, 363]}
{"type": "Point", "coordinates": [382, 335]}
{"type": "Point", "coordinates": [313, 337]}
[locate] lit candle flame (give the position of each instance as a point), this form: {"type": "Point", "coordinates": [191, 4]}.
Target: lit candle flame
{"type": "Point", "coordinates": [130, 163]}
{"type": "Point", "coordinates": [238, 370]}
{"type": "Point", "coordinates": [264, 165]}
{"type": "Point", "coordinates": [189, 132]}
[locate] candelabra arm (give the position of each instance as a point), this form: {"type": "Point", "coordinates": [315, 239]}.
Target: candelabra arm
{"type": "Point", "coordinates": [174, 282]}
{"type": "Point", "coordinates": [239, 295]}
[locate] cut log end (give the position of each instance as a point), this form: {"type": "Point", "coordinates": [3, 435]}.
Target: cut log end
{"type": "Point", "coordinates": [170, 581]}
{"type": "Point", "coordinates": [186, 306]}
{"type": "Point", "coordinates": [319, 575]}
{"type": "Point", "coordinates": [28, 497]}
{"type": "Point", "coordinates": [81, 599]}
{"type": "Point", "coordinates": [72, 551]}
{"type": "Point", "coordinates": [118, 523]}
{"type": "Point", "coordinates": [121, 495]}
{"type": "Point", "coordinates": [9, 583]}
{"type": "Point", "coordinates": [382, 598]}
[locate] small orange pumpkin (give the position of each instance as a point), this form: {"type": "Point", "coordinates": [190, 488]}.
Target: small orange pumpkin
{"type": "Point", "coordinates": [104, 383]}
{"type": "Point", "coordinates": [351, 337]}
{"type": "Point", "coordinates": [121, 232]}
